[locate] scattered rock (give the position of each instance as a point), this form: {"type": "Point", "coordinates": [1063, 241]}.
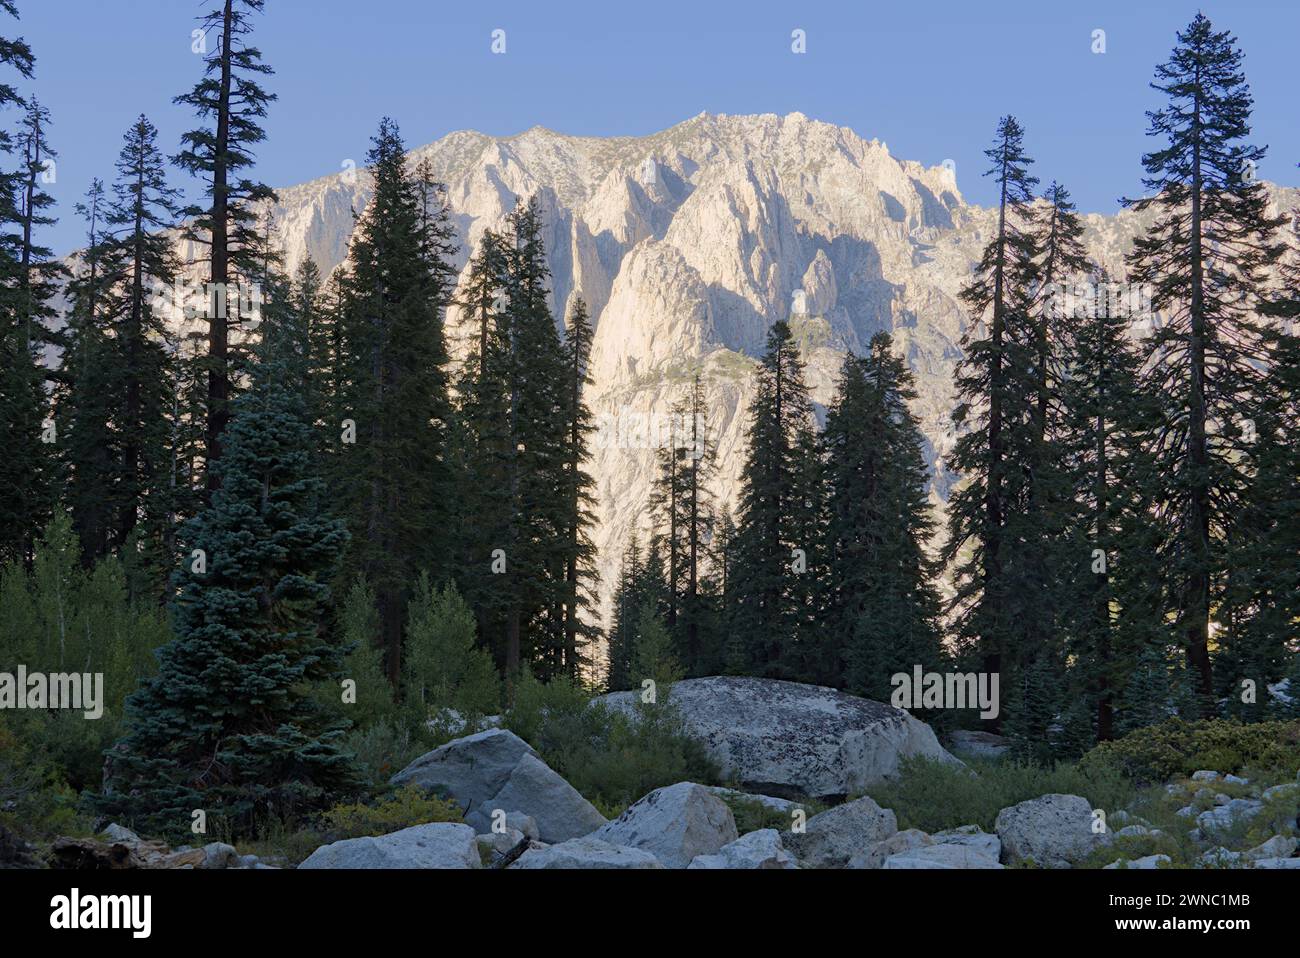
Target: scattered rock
{"type": "Point", "coordinates": [559, 811]}
{"type": "Point", "coordinates": [1287, 863]}
{"type": "Point", "coordinates": [1225, 816]}
{"type": "Point", "coordinates": [784, 738]}
{"type": "Point", "coordinates": [436, 845]}
{"type": "Point", "coordinates": [1236, 780]}
{"type": "Point", "coordinates": [784, 805]}
{"type": "Point", "coordinates": [757, 850]}
{"type": "Point", "coordinates": [830, 839]}
{"type": "Point", "coordinates": [1279, 846]}
{"type": "Point", "coordinates": [971, 836]}
{"type": "Point", "coordinates": [1205, 775]}
{"type": "Point", "coordinates": [1221, 858]}
{"type": "Point", "coordinates": [1054, 831]}
{"type": "Point", "coordinates": [675, 824]}
{"type": "Point", "coordinates": [1133, 831]}
{"type": "Point", "coordinates": [941, 857]}
{"type": "Point", "coordinates": [899, 842]}
{"type": "Point", "coordinates": [470, 769]}
{"type": "Point", "coordinates": [1290, 789]}
{"type": "Point", "coordinates": [117, 833]}
{"type": "Point", "coordinates": [219, 855]}
{"type": "Point", "coordinates": [1148, 862]}
{"type": "Point", "coordinates": [587, 852]}
{"type": "Point", "coordinates": [523, 823]}
{"type": "Point", "coordinates": [496, 769]}
{"type": "Point", "coordinates": [976, 744]}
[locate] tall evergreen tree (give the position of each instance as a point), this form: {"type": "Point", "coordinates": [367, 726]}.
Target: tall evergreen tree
{"type": "Point", "coordinates": [393, 482]}
{"type": "Point", "coordinates": [85, 405]}
{"type": "Point", "coordinates": [230, 724]}
{"type": "Point", "coordinates": [997, 384]}
{"type": "Point", "coordinates": [880, 606]}
{"type": "Point", "coordinates": [141, 263]}
{"type": "Point", "coordinates": [580, 552]}
{"type": "Point", "coordinates": [1110, 602]}
{"type": "Point", "coordinates": [1205, 256]}
{"type": "Point", "coordinates": [26, 479]}
{"type": "Point", "coordinates": [772, 593]}
{"type": "Point", "coordinates": [231, 102]}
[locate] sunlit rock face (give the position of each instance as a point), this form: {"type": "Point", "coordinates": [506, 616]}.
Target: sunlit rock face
{"type": "Point", "coordinates": [690, 243]}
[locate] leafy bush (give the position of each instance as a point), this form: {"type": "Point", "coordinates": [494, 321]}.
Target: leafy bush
{"type": "Point", "coordinates": [409, 805]}
{"type": "Point", "coordinates": [934, 796]}
{"type": "Point", "coordinates": [611, 758]}
{"type": "Point", "coordinates": [386, 746]}
{"type": "Point", "coordinates": [1177, 747]}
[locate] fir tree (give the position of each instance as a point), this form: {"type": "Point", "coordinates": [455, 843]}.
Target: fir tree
{"type": "Point", "coordinates": [85, 408]}
{"type": "Point", "coordinates": [996, 381]}
{"type": "Point", "coordinates": [881, 610]}
{"type": "Point", "coordinates": [231, 102]}
{"type": "Point", "coordinates": [140, 264]}
{"type": "Point", "coordinates": [1110, 604]}
{"type": "Point", "coordinates": [394, 482]}
{"type": "Point", "coordinates": [1204, 258]}
{"type": "Point", "coordinates": [230, 724]}
{"type": "Point", "coordinates": [580, 553]}
{"type": "Point", "coordinates": [770, 601]}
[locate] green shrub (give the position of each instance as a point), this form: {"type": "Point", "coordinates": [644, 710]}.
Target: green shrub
{"type": "Point", "coordinates": [934, 796]}
{"type": "Point", "coordinates": [409, 805]}
{"type": "Point", "coordinates": [386, 746]}
{"type": "Point", "coordinates": [612, 759]}
{"type": "Point", "coordinates": [1177, 747]}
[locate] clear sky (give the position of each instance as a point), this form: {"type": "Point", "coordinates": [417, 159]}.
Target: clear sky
{"type": "Point", "coordinates": [928, 78]}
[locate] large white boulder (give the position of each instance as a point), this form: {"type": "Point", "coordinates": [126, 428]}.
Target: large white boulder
{"type": "Point", "coordinates": [830, 839]}
{"type": "Point", "coordinates": [497, 771]}
{"type": "Point", "coordinates": [675, 824]}
{"type": "Point", "coordinates": [437, 845]}
{"type": "Point", "coordinates": [760, 849]}
{"type": "Point", "coordinates": [1054, 831]}
{"type": "Point", "coordinates": [784, 737]}
{"type": "Point", "coordinates": [586, 852]}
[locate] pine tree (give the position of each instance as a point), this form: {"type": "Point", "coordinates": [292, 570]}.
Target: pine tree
{"type": "Point", "coordinates": [881, 610]}
{"type": "Point", "coordinates": [393, 482]}
{"type": "Point", "coordinates": [535, 453]}
{"type": "Point", "coordinates": [770, 601]}
{"type": "Point", "coordinates": [1110, 603]}
{"type": "Point", "coordinates": [480, 440]}
{"type": "Point", "coordinates": [231, 100]}
{"type": "Point", "coordinates": [85, 409]}
{"type": "Point", "coordinates": [140, 264]}
{"type": "Point", "coordinates": [1204, 257]}
{"type": "Point", "coordinates": [1264, 550]}
{"type": "Point", "coordinates": [230, 724]}
{"type": "Point", "coordinates": [628, 603]}
{"type": "Point", "coordinates": [683, 501]}
{"type": "Point", "coordinates": [580, 553]}
{"type": "Point", "coordinates": [26, 478]}
{"type": "Point", "coordinates": [997, 383]}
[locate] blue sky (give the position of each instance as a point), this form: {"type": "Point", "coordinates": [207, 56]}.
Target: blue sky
{"type": "Point", "coordinates": [928, 78]}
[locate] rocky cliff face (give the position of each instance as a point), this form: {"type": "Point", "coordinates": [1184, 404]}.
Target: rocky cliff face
{"type": "Point", "coordinates": [688, 244]}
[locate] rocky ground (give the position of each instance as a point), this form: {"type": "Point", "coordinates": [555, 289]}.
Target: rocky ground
{"type": "Point", "coordinates": [819, 749]}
